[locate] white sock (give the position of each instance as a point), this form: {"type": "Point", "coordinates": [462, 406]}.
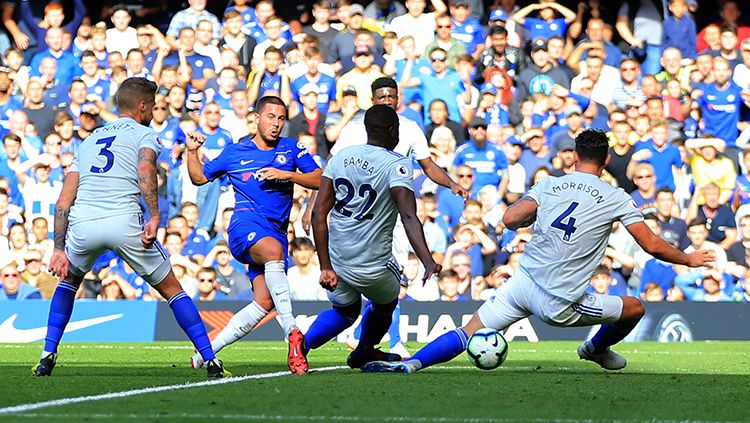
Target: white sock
{"type": "Point", "coordinates": [239, 325]}
{"type": "Point", "coordinates": [46, 353]}
{"type": "Point", "coordinates": [278, 286]}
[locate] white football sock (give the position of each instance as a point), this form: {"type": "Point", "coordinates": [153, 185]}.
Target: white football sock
{"type": "Point", "coordinates": [278, 286]}
{"type": "Point", "coordinates": [239, 325]}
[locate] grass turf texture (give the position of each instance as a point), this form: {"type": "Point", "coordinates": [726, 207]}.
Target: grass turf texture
{"type": "Point", "coordinates": [539, 382]}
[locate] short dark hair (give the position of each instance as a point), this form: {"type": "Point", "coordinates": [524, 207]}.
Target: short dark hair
{"type": "Point", "coordinates": [302, 242]}
{"type": "Point", "coordinates": [134, 90]}
{"type": "Point", "coordinates": [663, 190]}
{"type": "Point", "coordinates": [383, 82]}
{"type": "Point", "coordinates": [379, 122]}
{"type": "Point", "coordinates": [602, 269]}
{"type": "Point", "coordinates": [269, 99]}
{"type": "Point", "coordinates": [498, 30]}
{"type": "Point", "coordinates": [592, 146]}
{"type": "Point", "coordinates": [697, 222]}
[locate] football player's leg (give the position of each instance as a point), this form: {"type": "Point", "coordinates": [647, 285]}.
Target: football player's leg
{"type": "Point", "coordinates": [330, 323]}
{"type": "Point", "coordinates": [612, 333]}
{"type": "Point", "coordinates": [498, 313]}
{"type": "Point", "coordinates": [152, 264]}
{"type": "Point", "coordinates": [246, 319]}
{"type": "Point", "coordinates": [269, 252]}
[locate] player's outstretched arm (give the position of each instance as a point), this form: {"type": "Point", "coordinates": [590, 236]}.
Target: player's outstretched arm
{"type": "Point", "coordinates": [662, 250]}
{"type": "Point", "coordinates": [521, 214]}
{"type": "Point", "coordinates": [149, 185]}
{"type": "Point", "coordinates": [323, 206]}
{"type": "Point", "coordinates": [437, 174]}
{"type": "Point", "coordinates": [193, 142]}
{"type": "Point", "coordinates": [58, 265]}
{"type": "Point", "coordinates": [407, 208]}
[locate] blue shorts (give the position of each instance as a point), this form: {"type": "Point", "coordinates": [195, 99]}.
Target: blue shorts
{"type": "Point", "coordinates": [246, 230]}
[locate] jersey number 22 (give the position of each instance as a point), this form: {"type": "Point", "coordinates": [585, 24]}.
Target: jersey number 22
{"type": "Point", "coordinates": [365, 191]}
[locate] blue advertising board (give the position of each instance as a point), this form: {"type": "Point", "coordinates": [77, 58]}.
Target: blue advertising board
{"type": "Point", "coordinates": [98, 321]}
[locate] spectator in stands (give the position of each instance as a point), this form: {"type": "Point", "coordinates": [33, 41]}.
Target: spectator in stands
{"type": "Point", "coordinates": [418, 24]}
{"type": "Point", "coordinates": [742, 295]}
{"type": "Point", "coordinates": [698, 235]}
{"type": "Point", "coordinates": [718, 217]}
{"type": "Point", "coordinates": [123, 37]}
{"type": "Point", "coordinates": [41, 239]}
{"type": "Point", "coordinates": [189, 18]}
{"type": "Point", "coordinates": [208, 286]}
{"type": "Point", "coordinates": [701, 285]}
{"type": "Point", "coordinates": [67, 64]}
{"type": "Point", "coordinates": [35, 275]}
{"type": "Point", "coordinates": [304, 275]}
{"type": "Point", "coordinates": [231, 281]}
{"type": "Point", "coordinates": [13, 288]}
{"type": "Point", "coordinates": [709, 167]}
{"type": "Point", "coordinates": [269, 78]}
{"type": "Point", "coordinates": [679, 29]}
{"type": "Point", "coordinates": [645, 39]}
{"type": "Point", "coordinates": [537, 154]}
{"type": "Point", "coordinates": [321, 28]}
{"type": "Point", "coordinates": [448, 285]}
{"type": "Point", "coordinates": [473, 241]}
{"type": "Point", "coordinates": [546, 25]}
{"type": "Point", "coordinates": [644, 179]}
{"type": "Point", "coordinates": [663, 156]}
{"type": "Point", "coordinates": [720, 106]}
{"type": "Point", "coordinates": [325, 84]}
{"type": "Point", "coordinates": [444, 38]}
{"type": "Point", "coordinates": [541, 74]}
{"type": "Point", "coordinates": [486, 160]}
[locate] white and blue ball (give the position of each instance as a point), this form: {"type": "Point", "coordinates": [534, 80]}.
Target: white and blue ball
{"type": "Point", "coordinates": [487, 349]}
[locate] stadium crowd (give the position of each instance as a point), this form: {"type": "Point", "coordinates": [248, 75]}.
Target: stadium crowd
{"type": "Point", "coordinates": [500, 92]}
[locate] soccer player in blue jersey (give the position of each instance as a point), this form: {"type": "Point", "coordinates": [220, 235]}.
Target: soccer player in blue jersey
{"type": "Point", "coordinates": [99, 210]}
{"type": "Point", "coordinates": [263, 170]}
{"type": "Point", "coordinates": [365, 188]}
{"type": "Point", "coordinates": [572, 217]}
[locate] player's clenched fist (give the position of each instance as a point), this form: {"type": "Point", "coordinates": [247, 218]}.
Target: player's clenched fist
{"type": "Point", "coordinates": [328, 279]}
{"type": "Point", "coordinates": [194, 140]}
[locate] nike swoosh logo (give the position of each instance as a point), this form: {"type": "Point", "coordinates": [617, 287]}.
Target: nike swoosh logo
{"type": "Point", "coordinates": [244, 162]}
{"type": "Point", "coordinates": [10, 333]}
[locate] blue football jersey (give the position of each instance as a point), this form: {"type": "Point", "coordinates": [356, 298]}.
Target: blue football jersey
{"type": "Point", "coordinates": [241, 163]}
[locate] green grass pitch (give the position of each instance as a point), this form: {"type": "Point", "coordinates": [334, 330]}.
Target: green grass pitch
{"type": "Point", "coordinates": [540, 382]}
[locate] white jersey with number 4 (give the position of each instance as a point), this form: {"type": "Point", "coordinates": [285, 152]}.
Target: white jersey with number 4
{"type": "Point", "coordinates": [574, 219]}
{"type": "Point", "coordinates": [411, 139]}
{"type": "Point", "coordinates": [363, 216]}
{"type": "Point", "coordinates": [107, 162]}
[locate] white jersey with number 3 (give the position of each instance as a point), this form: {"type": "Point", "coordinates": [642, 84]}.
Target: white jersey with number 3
{"type": "Point", "coordinates": [574, 219]}
{"type": "Point", "coordinates": [107, 163]}
{"type": "Point", "coordinates": [362, 219]}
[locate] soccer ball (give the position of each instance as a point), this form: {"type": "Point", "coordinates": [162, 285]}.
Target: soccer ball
{"type": "Point", "coordinates": [487, 349]}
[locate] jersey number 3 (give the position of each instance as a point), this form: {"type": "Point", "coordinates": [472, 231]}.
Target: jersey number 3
{"type": "Point", "coordinates": [107, 153]}
{"type": "Point", "coordinates": [568, 227]}
{"type": "Point", "coordinates": [365, 191]}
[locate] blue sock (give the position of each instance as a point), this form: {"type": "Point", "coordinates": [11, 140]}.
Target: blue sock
{"type": "Point", "coordinates": [608, 334]}
{"type": "Point", "coordinates": [327, 325]}
{"type": "Point", "coordinates": [394, 331]}
{"type": "Point", "coordinates": [375, 322]}
{"type": "Point", "coordinates": [190, 321]}
{"type": "Point", "coordinates": [445, 348]}
{"type": "Point", "coordinates": [60, 310]}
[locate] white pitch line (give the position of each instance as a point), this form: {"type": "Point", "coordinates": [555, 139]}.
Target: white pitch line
{"type": "Point", "coordinates": [394, 419]}
{"type": "Point", "coordinates": [140, 391]}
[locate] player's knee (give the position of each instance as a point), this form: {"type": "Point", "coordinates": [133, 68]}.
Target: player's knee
{"type": "Point", "coordinates": [266, 250]}
{"type": "Point", "coordinates": [384, 309]}
{"type": "Point", "coordinates": [632, 310]}
{"type": "Point", "coordinates": [265, 303]}
{"type": "Point", "coordinates": [351, 311]}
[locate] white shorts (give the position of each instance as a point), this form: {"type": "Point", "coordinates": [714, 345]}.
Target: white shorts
{"type": "Point", "coordinates": [520, 297]}
{"type": "Point", "coordinates": [380, 285]}
{"type": "Point", "coordinates": [87, 240]}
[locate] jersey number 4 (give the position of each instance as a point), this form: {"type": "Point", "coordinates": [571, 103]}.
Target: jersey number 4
{"type": "Point", "coordinates": [568, 227]}
{"type": "Point", "coordinates": [107, 153]}
{"type": "Point", "coordinates": [365, 191]}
